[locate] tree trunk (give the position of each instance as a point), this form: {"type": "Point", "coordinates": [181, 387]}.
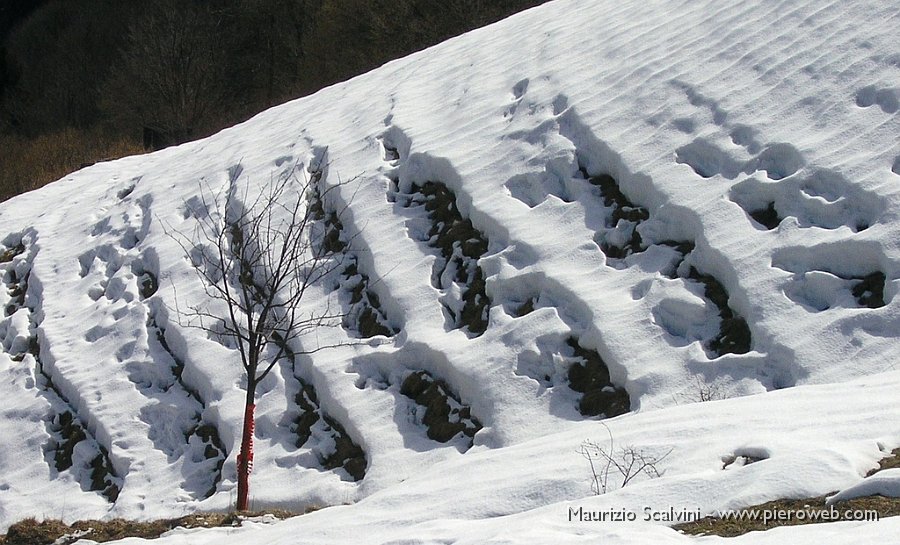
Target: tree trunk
{"type": "Point", "coordinates": [245, 458]}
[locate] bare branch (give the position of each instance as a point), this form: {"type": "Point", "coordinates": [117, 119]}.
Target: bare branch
{"type": "Point", "coordinates": [629, 462]}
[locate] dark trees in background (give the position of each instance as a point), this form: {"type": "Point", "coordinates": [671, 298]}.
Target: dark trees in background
{"type": "Point", "coordinates": [111, 70]}
{"type": "Point", "coordinates": [269, 42]}
{"type": "Point", "coordinates": [55, 58]}
{"type": "Point", "coordinates": [170, 77]}
{"type": "Point", "coordinates": [11, 11]}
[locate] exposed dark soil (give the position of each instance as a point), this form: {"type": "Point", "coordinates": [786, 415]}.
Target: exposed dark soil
{"type": "Point", "coordinates": [309, 413]}
{"type": "Point", "coordinates": [65, 428]}
{"type": "Point", "coordinates": [885, 507]}
{"type": "Point", "coordinates": [869, 291]}
{"type": "Point", "coordinates": [590, 376]}
{"type": "Point", "coordinates": [461, 246]}
{"type": "Point", "coordinates": [734, 334]}
{"type": "Point", "coordinates": [347, 454]}
{"type": "Point", "coordinates": [445, 416]}
{"type": "Point", "coordinates": [7, 255]}
{"type": "Point", "coordinates": [208, 433]}
{"type": "Point", "coordinates": [363, 313]}
{"type": "Point", "coordinates": [147, 284]}
{"type": "Point", "coordinates": [525, 308]}
{"type": "Point", "coordinates": [767, 217]}
{"type": "Point", "coordinates": [888, 462]}
{"type": "Point", "coordinates": [622, 209]}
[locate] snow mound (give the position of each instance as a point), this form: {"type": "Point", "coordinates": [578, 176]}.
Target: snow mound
{"type": "Point", "coordinates": [884, 483]}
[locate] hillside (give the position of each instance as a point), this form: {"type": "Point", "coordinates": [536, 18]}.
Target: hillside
{"type": "Point", "coordinates": [677, 218]}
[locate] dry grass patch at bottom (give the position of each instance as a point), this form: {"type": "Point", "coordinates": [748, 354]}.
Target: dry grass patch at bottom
{"type": "Point", "coordinates": [32, 532]}
{"type": "Point", "coordinates": [792, 513]}
{"type": "Point", "coordinates": [889, 462]}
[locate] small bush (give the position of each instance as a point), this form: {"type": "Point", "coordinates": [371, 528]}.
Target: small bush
{"type": "Point", "coordinates": [628, 461]}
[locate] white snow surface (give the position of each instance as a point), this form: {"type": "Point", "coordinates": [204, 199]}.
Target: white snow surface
{"type": "Point", "coordinates": [702, 111]}
{"type": "Point", "coordinates": [884, 483]}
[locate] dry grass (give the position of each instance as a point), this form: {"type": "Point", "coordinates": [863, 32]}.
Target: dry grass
{"type": "Point", "coordinates": [889, 462]}
{"type": "Point", "coordinates": [30, 163]}
{"type": "Point", "coordinates": [32, 532]}
{"type": "Point", "coordinates": [885, 507]}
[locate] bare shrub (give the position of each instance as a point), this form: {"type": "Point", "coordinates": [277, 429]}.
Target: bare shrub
{"type": "Point", "coordinates": [700, 391]}
{"type": "Point", "coordinates": [628, 461]}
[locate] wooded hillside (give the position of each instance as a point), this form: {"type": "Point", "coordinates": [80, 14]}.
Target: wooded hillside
{"type": "Point", "coordinates": [96, 79]}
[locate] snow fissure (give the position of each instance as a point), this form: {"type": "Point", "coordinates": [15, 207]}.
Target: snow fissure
{"type": "Point", "coordinates": [461, 245]}
{"type": "Point", "coordinates": [72, 447]}
{"type": "Point", "coordinates": [456, 271]}
{"type": "Point", "coordinates": [324, 436]}
{"type": "Point", "coordinates": [362, 312]}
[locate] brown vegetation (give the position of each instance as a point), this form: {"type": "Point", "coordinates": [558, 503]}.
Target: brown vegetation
{"type": "Point", "coordinates": [32, 532]}
{"type": "Point", "coordinates": [885, 507]}
{"type": "Point", "coordinates": [32, 162]}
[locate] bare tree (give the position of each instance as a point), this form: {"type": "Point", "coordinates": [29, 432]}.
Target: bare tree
{"type": "Point", "coordinates": [270, 44]}
{"type": "Point", "coordinates": [256, 264]}
{"type": "Point", "coordinates": [171, 77]}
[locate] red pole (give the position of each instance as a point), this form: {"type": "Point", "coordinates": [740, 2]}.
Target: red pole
{"type": "Point", "coordinates": [245, 459]}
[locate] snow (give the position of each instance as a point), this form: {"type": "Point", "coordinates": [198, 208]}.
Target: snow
{"type": "Point", "coordinates": [753, 147]}
{"type": "Point", "coordinates": [884, 483]}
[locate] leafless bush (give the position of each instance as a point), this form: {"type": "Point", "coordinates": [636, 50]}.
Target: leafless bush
{"type": "Point", "coordinates": [700, 391]}
{"type": "Point", "coordinates": [628, 461]}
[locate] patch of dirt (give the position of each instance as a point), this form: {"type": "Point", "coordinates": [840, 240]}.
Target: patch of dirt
{"type": "Point", "coordinates": [461, 246]}
{"type": "Point", "coordinates": [445, 416]}
{"type": "Point", "coordinates": [590, 376]}
{"type": "Point", "coordinates": [767, 217]}
{"type": "Point", "coordinates": [870, 290]}
{"type": "Point", "coordinates": [734, 334]}
{"type": "Point", "coordinates": [364, 313]}
{"type": "Point", "coordinates": [525, 308]}
{"type": "Point", "coordinates": [750, 519]}
{"type": "Point", "coordinates": [347, 454]}
{"type": "Point", "coordinates": [888, 462]}
{"type": "Point", "coordinates": [625, 216]}
{"type": "Point", "coordinates": [10, 253]}
{"type": "Point", "coordinates": [32, 532]}
{"type": "Point", "coordinates": [309, 413]}
{"type": "Point", "coordinates": [65, 428]}
{"type": "Point", "coordinates": [147, 284]}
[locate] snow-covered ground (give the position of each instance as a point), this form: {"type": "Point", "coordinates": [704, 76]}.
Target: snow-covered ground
{"type": "Point", "coordinates": [686, 210]}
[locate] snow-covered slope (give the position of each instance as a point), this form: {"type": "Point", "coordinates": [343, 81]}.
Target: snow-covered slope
{"type": "Point", "coordinates": [662, 203]}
